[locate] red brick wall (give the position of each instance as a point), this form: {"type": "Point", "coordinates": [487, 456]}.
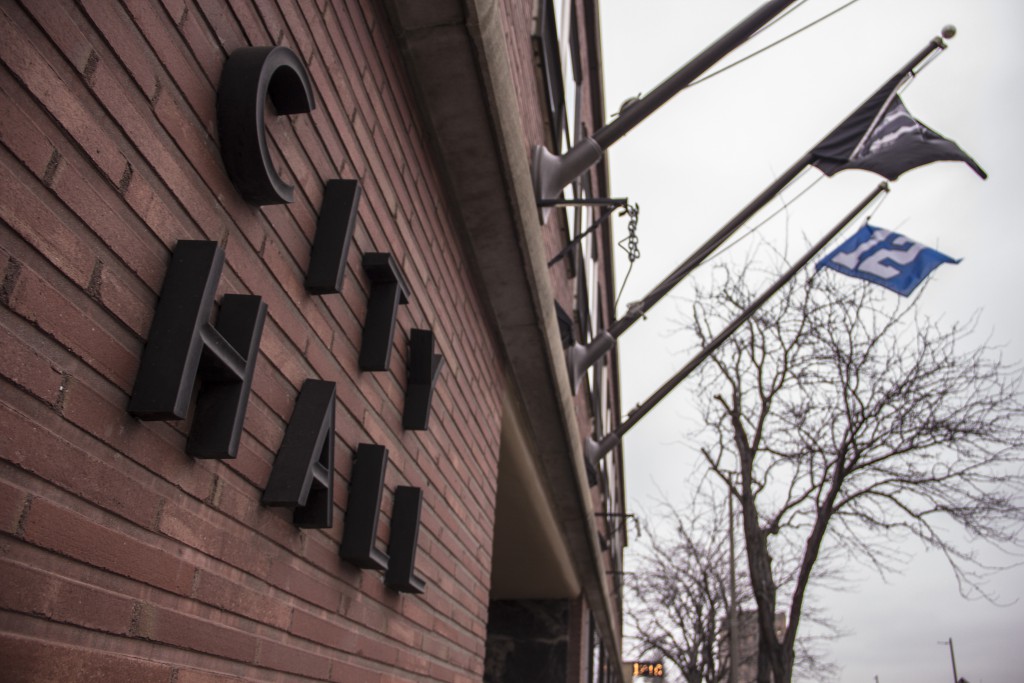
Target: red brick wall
{"type": "Point", "coordinates": [123, 559]}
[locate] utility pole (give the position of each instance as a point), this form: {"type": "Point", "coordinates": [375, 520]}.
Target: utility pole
{"type": "Point", "coordinates": [952, 657]}
{"type": "Point", "coordinates": [733, 620]}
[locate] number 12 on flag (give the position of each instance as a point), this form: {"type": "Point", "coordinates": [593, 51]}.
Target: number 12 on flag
{"type": "Point", "coordinates": [886, 258]}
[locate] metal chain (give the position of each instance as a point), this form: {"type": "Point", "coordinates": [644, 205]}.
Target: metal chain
{"type": "Point", "coordinates": [632, 244]}
{"type": "Point", "coordinates": [631, 240]}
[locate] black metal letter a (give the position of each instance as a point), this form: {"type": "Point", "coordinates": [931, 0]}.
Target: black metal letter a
{"type": "Point", "coordinates": [303, 474]}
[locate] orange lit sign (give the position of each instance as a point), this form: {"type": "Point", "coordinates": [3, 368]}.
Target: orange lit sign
{"type": "Point", "coordinates": [648, 670]}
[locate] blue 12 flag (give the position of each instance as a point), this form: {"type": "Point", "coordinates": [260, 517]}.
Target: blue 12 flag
{"type": "Point", "coordinates": [885, 258]}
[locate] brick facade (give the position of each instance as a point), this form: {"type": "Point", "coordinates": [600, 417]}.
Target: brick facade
{"type": "Point", "coordinates": [121, 557]}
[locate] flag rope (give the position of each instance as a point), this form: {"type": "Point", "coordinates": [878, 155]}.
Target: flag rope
{"type": "Point", "coordinates": [869, 213]}
{"type": "Point", "coordinates": [594, 451]}
{"type": "Point", "coordinates": [632, 248]}
{"type": "Point", "coordinates": [785, 205]}
{"type": "Point", "coordinates": [717, 253]}
{"type": "Point", "coordinates": [635, 310]}
{"type": "Point", "coordinates": [779, 18]}
{"type": "Point", "coordinates": [771, 45]}
{"type": "Point", "coordinates": [900, 87]}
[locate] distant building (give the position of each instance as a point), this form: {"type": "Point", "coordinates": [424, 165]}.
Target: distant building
{"type": "Point", "coordinates": [749, 633]}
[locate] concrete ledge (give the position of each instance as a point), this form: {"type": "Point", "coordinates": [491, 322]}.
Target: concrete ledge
{"type": "Point", "coordinates": [456, 57]}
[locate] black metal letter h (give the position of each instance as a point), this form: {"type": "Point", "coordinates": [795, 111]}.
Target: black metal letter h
{"type": "Point", "coordinates": [183, 346]}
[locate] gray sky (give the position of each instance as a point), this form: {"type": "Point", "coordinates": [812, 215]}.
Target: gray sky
{"type": "Point", "coordinates": [703, 156]}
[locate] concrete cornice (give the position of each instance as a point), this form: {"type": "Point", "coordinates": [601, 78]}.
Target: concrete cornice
{"type": "Point", "coordinates": [456, 56]}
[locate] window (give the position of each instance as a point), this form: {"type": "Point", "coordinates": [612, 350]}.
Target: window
{"type": "Point", "coordinates": [551, 63]}
{"type": "Point", "coordinates": [596, 654]}
{"type": "Point", "coordinates": [560, 62]}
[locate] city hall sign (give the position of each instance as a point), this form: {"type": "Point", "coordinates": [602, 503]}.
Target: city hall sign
{"type": "Point", "coordinates": [185, 348]}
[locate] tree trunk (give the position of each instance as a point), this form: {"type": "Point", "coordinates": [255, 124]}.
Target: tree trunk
{"type": "Point", "coordinates": [759, 561]}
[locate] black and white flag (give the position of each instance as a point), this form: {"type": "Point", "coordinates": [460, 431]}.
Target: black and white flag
{"type": "Point", "coordinates": [883, 137]}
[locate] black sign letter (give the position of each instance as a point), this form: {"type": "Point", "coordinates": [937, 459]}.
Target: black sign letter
{"type": "Point", "coordinates": [184, 346]}
{"type": "Point", "coordinates": [388, 289]}
{"type": "Point", "coordinates": [405, 531]}
{"type": "Point", "coordinates": [365, 491]}
{"type": "Point", "coordinates": [303, 474]}
{"type": "Point", "coordinates": [424, 366]}
{"type": "Point", "coordinates": [249, 76]}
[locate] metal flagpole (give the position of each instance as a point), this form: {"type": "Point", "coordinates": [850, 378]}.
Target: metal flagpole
{"type": "Point", "coordinates": [593, 450]}
{"type": "Point", "coordinates": [579, 357]}
{"type": "Point", "coordinates": [552, 172]}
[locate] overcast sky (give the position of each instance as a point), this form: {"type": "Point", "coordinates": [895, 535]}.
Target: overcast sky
{"type": "Point", "coordinates": [695, 162]}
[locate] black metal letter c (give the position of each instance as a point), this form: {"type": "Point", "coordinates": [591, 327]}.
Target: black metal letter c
{"type": "Point", "coordinates": [250, 75]}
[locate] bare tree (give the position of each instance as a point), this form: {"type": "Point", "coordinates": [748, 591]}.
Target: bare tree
{"type": "Point", "coordinates": [853, 422]}
{"type": "Point", "coordinates": [678, 597]}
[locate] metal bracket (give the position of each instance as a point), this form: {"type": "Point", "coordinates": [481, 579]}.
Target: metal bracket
{"type": "Point", "coordinates": [594, 451]}
{"type": "Point", "coordinates": [596, 201]}
{"type": "Point", "coordinates": [623, 517]}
